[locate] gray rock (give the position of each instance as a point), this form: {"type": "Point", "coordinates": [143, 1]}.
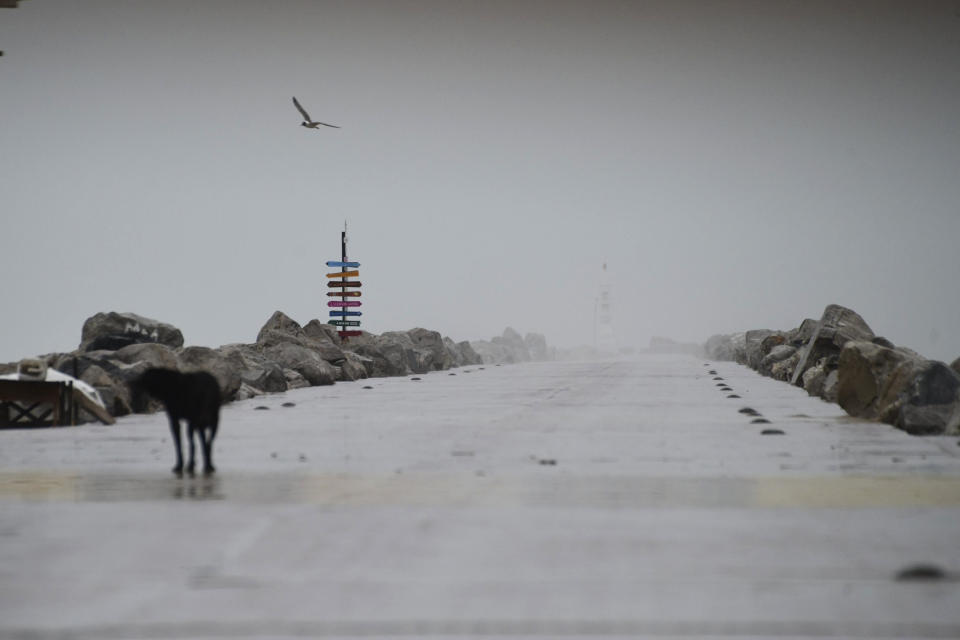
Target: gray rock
{"type": "Point", "coordinates": [470, 357]}
{"type": "Point", "coordinates": [323, 332]}
{"type": "Point", "coordinates": [295, 380]}
{"type": "Point", "coordinates": [353, 367]}
{"type": "Point", "coordinates": [955, 365]}
{"type": "Point", "coordinates": [432, 342]}
{"type": "Point", "coordinates": [255, 369]}
{"type": "Point", "coordinates": [245, 392]}
{"type": "Point", "coordinates": [215, 363]}
{"type": "Point", "coordinates": [931, 400]}
{"type": "Point", "coordinates": [417, 360]}
{"type": "Point", "coordinates": [307, 362]}
{"type": "Point", "coordinates": [783, 370]}
{"type": "Point", "coordinates": [755, 339]}
{"type": "Point", "coordinates": [814, 378]}
{"type": "Point", "coordinates": [898, 387]}
{"type": "Point", "coordinates": [871, 377]}
{"type": "Point", "coordinates": [830, 385]}
{"type": "Point", "coordinates": [111, 377]}
{"type": "Point", "coordinates": [382, 359]}
{"type": "Point", "coordinates": [281, 329]}
{"type": "Point", "coordinates": [536, 344]}
{"type": "Point", "coordinates": [493, 352]}
{"type": "Point", "coordinates": [115, 395]}
{"type": "Point", "coordinates": [723, 347]}
{"type": "Point", "coordinates": [775, 356]}
{"type": "Point", "coordinates": [154, 354]}
{"type": "Point", "coordinates": [514, 342]}
{"type": "Point", "coordinates": [112, 331]}
{"type": "Point", "coordinates": [837, 326]}
{"type": "Point", "coordinates": [454, 350]}
{"type": "Point", "coordinates": [802, 334]}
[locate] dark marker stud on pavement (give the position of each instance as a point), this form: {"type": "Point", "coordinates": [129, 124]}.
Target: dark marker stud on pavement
{"type": "Point", "coordinates": [288, 404]}
{"type": "Point", "coordinates": [750, 411]}
{"type": "Point", "coordinates": [368, 387]}
{"type": "Point", "coordinates": [721, 384]}
{"type": "Point", "coordinates": [920, 572]}
{"type": "Point", "coordinates": [451, 374]}
{"type": "Point", "coordinates": [261, 408]}
{"type": "Point", "coordinates": [414, 378]}
{"type": "Point", "coordinates": [772, 432]}
{"type": "Point", "coordinates": [717, 378]}
{"type": "Point", "coordinates": [733, 395]}
{"type": "Point", "coordinates": [712, 372]}
{"type": "Point", "coordinates": [759, 421]}
{"type": "Point", "coordinates": [548, 462]}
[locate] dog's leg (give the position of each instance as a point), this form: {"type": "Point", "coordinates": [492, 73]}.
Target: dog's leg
{"type": "Point", "coordinates": [206, 438]}
{"type": "Point", "coordinates": [175, 432]}
{"type": "Point", "coordinates": [190, 433]}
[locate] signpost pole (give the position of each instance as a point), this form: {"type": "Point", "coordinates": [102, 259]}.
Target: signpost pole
{"type": "Point", "coordinates": [343, 269]}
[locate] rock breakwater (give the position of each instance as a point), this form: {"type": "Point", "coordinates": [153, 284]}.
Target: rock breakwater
{"type": "Point", "coordinates": [116, 347]}
{"type": "Point", "coordinates": [839, 359]}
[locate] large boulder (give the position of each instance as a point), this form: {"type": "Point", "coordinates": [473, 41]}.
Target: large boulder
{"type": "Point", "coordinates": [455, 352]}
{"type": "Point", "coordinates": [725, 347]}
{"type": "Point", "coordinates": [304, 361]}
{"type": "Point", "coordinates": [256, 370]}
{"type": "Point", "coordinates": [417, 360]}
{"type": "Point", "coordinates": [470, 357]}
{"type": "Point", "coordinates": [440, 357]}
{"type": "Point", "coordinates": [216, 363]}
{"type": "Point", "coordinates": [931, 402]}
{"type": "Point", "coordinates": [755, 340]}
{"type": "Point", "coordinates": [154, 354]}
{"type": "Point", "coordinates": [514, 342]}
{"type": "Point", "coordinates": [381, 359]}
{"type": "Point", "coordinates": [281, 329]}
{"type": "Point", "coordinates": [837, 326]}
{"type": "Point", "coordinates": [778, 355]}
{"type": "Point", "coordinates": [323, 332]}
{"type": "Point", "coordinates": [353, 367]}
{"type": "Point", "coordinates": [898, 387]}
{"type": "Point", "coordinates": [111, 331]}
{"type": "Point", "coordinates": [536, 344]}
{"type": "Point", "coordinates": [493, 352]}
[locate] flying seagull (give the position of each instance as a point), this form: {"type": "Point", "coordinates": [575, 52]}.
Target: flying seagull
{"type": "Point", "coordinates": [307, 122]}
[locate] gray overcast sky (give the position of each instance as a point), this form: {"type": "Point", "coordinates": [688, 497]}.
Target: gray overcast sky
{"type": "Point", "coordinates": [738, 164]}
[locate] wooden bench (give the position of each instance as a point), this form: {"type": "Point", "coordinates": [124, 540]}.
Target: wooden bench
{"type": "Point", "coordinates": [34, 403]}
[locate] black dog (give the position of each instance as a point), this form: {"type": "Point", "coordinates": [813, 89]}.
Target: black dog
{"type": "Point", "coordinates": [194, 397]}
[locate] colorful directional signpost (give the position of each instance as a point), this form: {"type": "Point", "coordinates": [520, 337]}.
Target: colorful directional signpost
{"type": "Point", "coordinates": [340, 280]}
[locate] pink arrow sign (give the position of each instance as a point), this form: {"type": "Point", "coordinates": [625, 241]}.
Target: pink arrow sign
{"type": "Point", "coordinates": [347, 303]}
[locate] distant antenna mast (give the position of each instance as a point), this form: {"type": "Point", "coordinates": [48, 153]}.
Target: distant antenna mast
{"type": "Point", "coordinates": [606, 342]}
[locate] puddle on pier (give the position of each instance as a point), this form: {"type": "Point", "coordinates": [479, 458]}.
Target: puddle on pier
{"type": "Point", "coordinates": [469, 490]}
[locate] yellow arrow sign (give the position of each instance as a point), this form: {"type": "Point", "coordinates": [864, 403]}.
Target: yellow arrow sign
{"type": "Point", "coordinates": [344, 274]}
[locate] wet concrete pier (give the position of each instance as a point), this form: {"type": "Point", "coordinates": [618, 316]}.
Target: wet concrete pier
{"type": "Point", "coordinates": [663, 496]}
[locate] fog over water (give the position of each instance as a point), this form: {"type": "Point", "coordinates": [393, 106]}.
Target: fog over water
{"type": "Point", "coordinates": [736, 164]}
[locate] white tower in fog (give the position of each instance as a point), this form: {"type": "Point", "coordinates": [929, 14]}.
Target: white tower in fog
{"type": "Point", "coordinates": [605, 339]}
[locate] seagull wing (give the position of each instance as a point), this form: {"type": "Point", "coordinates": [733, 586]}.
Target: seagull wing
{"type": "Point", "coordinates": [327, 125]}
{"type": "Point", "coordinates": [303, 112]}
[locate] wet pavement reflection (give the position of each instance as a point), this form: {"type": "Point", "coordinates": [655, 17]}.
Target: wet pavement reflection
{"type": "Point", "coordinates": [441, 489]}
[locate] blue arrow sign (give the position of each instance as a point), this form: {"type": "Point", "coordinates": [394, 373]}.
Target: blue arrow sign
{"type": "Point", "coordinates": [337, 263]}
